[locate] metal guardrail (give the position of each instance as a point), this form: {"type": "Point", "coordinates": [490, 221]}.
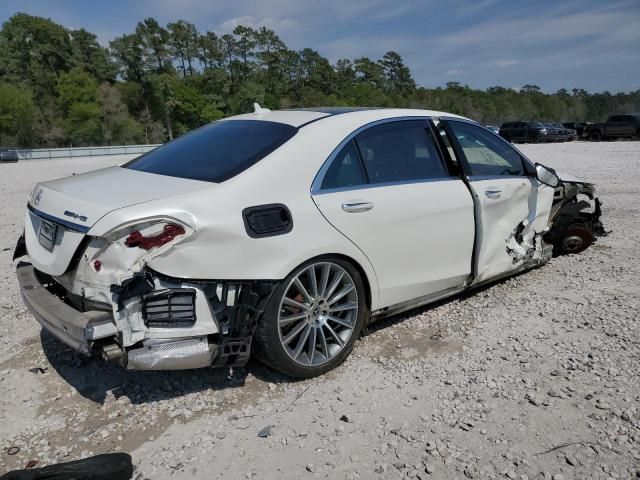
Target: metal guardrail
{"type": "Point", "coordinates": [71, 152]}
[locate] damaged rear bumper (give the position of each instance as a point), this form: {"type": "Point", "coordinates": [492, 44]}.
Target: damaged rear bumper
{"type": "Point", "coordinates": [79, 330]}
{"type": "Point", "coordinates": [173, 342]}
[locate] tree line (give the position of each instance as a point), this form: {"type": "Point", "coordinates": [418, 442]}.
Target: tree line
{"type": "Point", "coordinates": [60, 87]}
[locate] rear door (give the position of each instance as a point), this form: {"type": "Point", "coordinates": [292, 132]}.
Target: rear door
{"type": "Point", "coordinates": [387, 190]}
{"type": "Point", "coordinates": [513, 207]}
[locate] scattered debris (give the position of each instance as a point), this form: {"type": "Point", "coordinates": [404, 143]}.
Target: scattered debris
{"type": "Point", "coordinates": [38, 369]}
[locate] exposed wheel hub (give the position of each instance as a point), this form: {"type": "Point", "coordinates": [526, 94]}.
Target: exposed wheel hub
{"type": "Point", "coordinates": [572, 243]}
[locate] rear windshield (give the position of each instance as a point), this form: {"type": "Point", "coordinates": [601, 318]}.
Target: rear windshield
{"type": "Point", "coordinates": [217, 151]}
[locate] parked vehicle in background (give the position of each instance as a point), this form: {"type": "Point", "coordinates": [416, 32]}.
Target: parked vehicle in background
{"type": "Point", "coordinates": [494, 129]}
{"type": "Point", "coordinates": [569, 132]}
{"type": "Point", "coordinates": [579, 127]}
{"type": "Point", "coordinates": [616, 126]}
{"type": "Point", "coordinates": [524, 132]}
{"type": "Point", "coordinates": [8, 156]}
{"type": "Point", "coordinates": [555, 134]}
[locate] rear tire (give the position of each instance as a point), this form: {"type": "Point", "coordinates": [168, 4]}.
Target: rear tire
{"type": "Point", "coordinates": [304, 331]}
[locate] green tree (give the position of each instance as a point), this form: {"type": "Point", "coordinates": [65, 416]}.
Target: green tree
{"type": "Point", "coordinates": [345, 73]}
{"type": "Point", "coordinates": [129, 51]}
{"type": "Point", "coordinates": [245, 42]}
{"type": "Point", "coordinates": [154, 39]}
{"type": "Point", "coordinates": [60, 86]}
{"type": "Point", "coordinates": [270, 50]}
{"type": "Point", "coordinates": [183, 41]}
{"type": "Point", "coordinates": [117, 125]}
{"type": "Point", "coordinates": [398, 75]}
{"type": "Point", "coordinates": [18, 116]}
{"type": "Point", "coordinates": [76, 86]}
{"type": "Point", "coordinates": [83, 124]}
{"type": "Point", "coordinates": [90, 56]}
{"type": "Point", "coordinates": [210, 51]}
{"type": "Point", "coordinates": [530, 89]}
{"type": "Point", "coordinates": [37, 51]}
{"type": "Point", "coordinates": [370, 72]}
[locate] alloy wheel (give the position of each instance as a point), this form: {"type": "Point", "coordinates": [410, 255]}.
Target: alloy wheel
{"type": "Point", "coordinates": [318, 313]}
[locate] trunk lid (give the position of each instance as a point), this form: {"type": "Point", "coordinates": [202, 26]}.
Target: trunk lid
{"type": "Point", "coordinates": [70, 206]}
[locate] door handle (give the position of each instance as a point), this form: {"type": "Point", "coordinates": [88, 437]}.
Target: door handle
{"type": "Point", "coordinates": [357, 206]}
{"type": "Point", "coordinates": [493, 193]}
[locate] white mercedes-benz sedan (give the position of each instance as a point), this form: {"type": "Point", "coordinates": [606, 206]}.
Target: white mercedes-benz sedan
{"type": "Point", "coordinates": [283, 233]}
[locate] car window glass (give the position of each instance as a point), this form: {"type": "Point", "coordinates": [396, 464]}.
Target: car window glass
{"type": "Point", "coordinates": [217, 151]}
{"type": "Point", "coordinates": [399, 151]}
{"type": "Point", "coordinates": [345, 170]}
{"type": "Point", "coordinates": [486, 154]}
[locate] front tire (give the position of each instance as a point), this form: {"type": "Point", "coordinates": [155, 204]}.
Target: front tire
{"type": "Point", "coordinates": [575, 239]}
{"type": "Point", "coordinates": [313, 318]}
{"type": "Point", "coordinates": [595, 136]}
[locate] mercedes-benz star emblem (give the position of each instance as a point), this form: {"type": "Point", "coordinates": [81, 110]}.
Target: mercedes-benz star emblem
{"type": "Point", "coordinates": [37, 198]}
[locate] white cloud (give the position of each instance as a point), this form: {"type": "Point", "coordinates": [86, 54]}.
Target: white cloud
{"type": "Point", "coordinates": [454, 72]}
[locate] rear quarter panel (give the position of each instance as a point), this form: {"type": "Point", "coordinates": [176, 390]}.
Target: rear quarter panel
{"type": "Point", "coordinates": [221, 249]}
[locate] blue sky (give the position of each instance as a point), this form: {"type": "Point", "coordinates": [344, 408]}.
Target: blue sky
{"type": "Point", "coordinates": [591, 44]}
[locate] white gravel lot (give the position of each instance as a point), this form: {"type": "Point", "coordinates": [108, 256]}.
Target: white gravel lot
{"type": "Point", "coordinates": [534, 377]}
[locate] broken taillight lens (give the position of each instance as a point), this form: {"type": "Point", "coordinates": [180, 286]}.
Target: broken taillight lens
{"type": "Point", "coordinates": [147, 242]}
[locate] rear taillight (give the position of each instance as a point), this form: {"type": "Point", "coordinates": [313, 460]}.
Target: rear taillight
{"type": "Point", "coordinates": [168, 233]}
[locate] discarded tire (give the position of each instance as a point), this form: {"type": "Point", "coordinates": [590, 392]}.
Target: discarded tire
{"type": "Point", "coordinates": [110, 466]}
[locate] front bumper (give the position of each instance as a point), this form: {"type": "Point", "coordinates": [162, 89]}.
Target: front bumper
{"type": "Point", "coordinates": [79, 330]}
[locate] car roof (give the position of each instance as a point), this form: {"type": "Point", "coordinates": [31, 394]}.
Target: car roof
{"type": "Point", "coordinates": [302, 116]}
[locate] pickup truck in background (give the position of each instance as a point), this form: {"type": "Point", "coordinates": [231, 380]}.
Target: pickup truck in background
{"type": "Point", "coordinates": [616, 126]}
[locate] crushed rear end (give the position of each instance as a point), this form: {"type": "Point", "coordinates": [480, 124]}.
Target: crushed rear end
{"type": "Point", "coordinates": [90, 285]}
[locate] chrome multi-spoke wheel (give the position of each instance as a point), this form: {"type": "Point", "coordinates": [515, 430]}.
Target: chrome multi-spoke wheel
{"type": "Point", "coordinates": [313, 318]}
{"type": "Point", "coordinates": [318, 313]}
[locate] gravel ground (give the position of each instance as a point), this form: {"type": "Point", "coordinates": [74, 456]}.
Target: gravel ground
{"type": "Point", "coordinates": [534, 377]}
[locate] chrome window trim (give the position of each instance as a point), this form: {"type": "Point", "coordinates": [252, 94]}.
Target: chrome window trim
{"type": "Point", "coordinates": [368, 186]}
{"type": "Point", "coordinates": [317, 181]}
{"type": "Point", "coordinates": [479, 178]}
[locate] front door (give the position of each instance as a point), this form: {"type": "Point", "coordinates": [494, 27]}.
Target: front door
{"type": "Point", "coordinates": [388, 191]}
{"type": "Point", "coordinates": [513, 207]}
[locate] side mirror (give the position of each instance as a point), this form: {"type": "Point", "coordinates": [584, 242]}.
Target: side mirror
{"type": "Point", "coordinates": [547, 175]}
